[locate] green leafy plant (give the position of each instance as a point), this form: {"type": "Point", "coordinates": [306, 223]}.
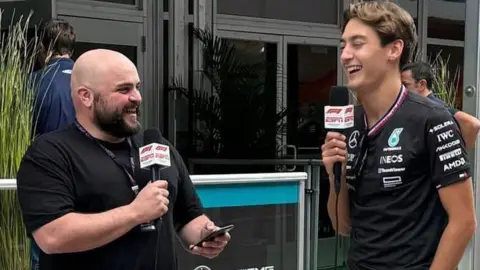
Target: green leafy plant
{"type": "Point", "coordinates": [445, 82]}
{"type": "Point", "coordinates": [17, 58]}
{"type": "Point", "coordinates": [234, 114]}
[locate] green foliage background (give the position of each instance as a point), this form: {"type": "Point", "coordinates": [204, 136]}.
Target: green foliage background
{"type": "Point", "coordinates": [17, 54]}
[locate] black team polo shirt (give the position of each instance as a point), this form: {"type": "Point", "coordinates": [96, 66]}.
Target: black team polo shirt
{"type": "Point", "coordinates": [394, 171]}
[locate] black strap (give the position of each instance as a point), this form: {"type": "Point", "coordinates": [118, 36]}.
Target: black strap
{"type": "Point", "coordinates": [114, 158]}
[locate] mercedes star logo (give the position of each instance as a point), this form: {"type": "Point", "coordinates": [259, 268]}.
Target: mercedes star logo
{"type": "Point", "coordinates": [202, 267]}
{"type": "Point", "coordinates": [353, 140]}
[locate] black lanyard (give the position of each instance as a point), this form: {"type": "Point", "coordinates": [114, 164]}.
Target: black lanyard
{"type": "Point", "coordinates": [112, 155]}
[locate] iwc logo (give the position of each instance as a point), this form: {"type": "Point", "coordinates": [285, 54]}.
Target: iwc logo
{"type": "Point", "coordinates": [394, 138]}
{"type": "Point", "coordinates": [202, 267]}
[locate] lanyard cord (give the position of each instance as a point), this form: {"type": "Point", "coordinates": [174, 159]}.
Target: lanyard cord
{"type": "Point", "coordinates": [114, 158]}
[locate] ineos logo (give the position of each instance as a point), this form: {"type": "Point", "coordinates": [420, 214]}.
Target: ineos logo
{"type": "Point", "coordinates": [391, 159]}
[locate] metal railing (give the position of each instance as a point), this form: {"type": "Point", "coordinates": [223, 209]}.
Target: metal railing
{"type": "Point", "coordinates": [313, 169]}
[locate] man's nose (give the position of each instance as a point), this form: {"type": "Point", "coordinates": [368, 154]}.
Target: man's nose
{"type": "Point", "coordinates": [346, 54]}
{"type": "Point", "coordinates": [136, 96]}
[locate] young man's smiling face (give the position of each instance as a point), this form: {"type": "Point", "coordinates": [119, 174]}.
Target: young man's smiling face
{"type": "Point", "coordinates": [363, 58]}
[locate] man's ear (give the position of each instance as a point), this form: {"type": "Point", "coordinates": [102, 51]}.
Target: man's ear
{"type": "Point", "coordinates": [396, 49]}
{"type": "Point", "coordinates": [423, 84]}
{"type": "Point", "coordinates": [86, 96]}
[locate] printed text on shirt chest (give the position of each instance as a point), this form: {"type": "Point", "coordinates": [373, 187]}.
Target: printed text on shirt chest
{"type": "Point", "coordinates": [388, 164]}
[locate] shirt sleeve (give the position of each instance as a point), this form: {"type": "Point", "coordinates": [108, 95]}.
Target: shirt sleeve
{"type": "Point", "coordinates": [451, 110]}
{"type": "Point", "coordinates": [188, 205]}
{"type": "Point", "coordinates": [44, 186]}
{"type": "Point", "coordinates": [448, 157]}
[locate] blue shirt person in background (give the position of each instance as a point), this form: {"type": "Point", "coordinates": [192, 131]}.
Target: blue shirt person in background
{"type": "Point", "coordinates": [53, 102]}
{"type": "Point", "coordinates": [418, 77]}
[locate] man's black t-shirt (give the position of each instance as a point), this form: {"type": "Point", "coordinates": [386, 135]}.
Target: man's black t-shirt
{"type": "Point", "coordinates": [394, 171]}
{"type": "Point", "coordinates": [65, 172]}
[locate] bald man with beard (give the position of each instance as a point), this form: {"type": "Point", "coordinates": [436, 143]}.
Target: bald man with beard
{"type": "Point", "coordinates": [75, 185]}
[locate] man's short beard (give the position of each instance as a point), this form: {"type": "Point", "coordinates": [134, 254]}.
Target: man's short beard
{"type": "Point", "coordinates": [113, 123]}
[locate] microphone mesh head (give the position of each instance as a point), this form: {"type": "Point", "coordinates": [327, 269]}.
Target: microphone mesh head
{"type": "Point", "coordinates": [339, 96]}
{"type": "Point", "coordinates": [151, 135]}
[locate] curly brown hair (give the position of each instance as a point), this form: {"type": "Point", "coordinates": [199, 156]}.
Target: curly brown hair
{"type": "Point", "coordinates": [390, 22]}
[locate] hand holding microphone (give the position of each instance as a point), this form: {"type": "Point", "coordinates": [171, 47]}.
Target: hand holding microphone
{"type": "Point", "coordinates": [339, 117]}
{"type": "Point", "coordinates": [334, 151]}
{"type": "Point", "coordinates": [152, 201]}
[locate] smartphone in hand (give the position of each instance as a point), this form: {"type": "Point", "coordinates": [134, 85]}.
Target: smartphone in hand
{"type": "Point", "coordinates": [221, 231]}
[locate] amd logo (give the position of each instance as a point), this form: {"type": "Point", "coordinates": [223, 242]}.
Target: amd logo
{"type": "Point", "coordinates": [391, 159]}
{"type": "Point", "coordinates": [454, 164]}
{"type": "Point", "coordinates": [445, 135]}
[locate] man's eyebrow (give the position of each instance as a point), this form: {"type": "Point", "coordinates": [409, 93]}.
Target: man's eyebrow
{"type": "Point", "coordinates": [127, 84]}
{"type": "Point", "coordinates": [354, 37]}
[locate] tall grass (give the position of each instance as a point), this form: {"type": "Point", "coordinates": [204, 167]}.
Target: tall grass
{"type": "Point", "coordinates": [16, 102]}
{"type": "Point", "coordinates": [445, 82]}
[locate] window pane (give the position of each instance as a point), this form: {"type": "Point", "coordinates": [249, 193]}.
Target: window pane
{"type": "Point", "coordinates": [412, 7]}
{"type": "Point", "coordinates": [454, 56]}
{"type": "Point", "coordinates": [312, 71]}
{"type": "Point", "coordinates": [128, 51]}
{"type": "Point", "coordinates": [446, 19]}
{"type": "Point", "coordinates": [127, 2]}
{"type": "Point", "coordinates": [324, 11]}
{"type": "Point", "coordinates": [238, 118]}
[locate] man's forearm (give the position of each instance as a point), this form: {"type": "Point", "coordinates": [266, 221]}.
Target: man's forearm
{"type": "Point", "coordinates": [80, 232]}
{"type": "Point", "coordinates": [343, 208]}
{"type": "Point", "coordinates": [452, 246]}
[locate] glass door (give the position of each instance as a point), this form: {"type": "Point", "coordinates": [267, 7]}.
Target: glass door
{"type": "Point", "coordinates": [311, 71]}
{"type": "Point", "coordinates": [312, 68]}
{"type": "Point", "coordinates": [123, 37]}
{"type": "Point", "coordinates": [243, 118]}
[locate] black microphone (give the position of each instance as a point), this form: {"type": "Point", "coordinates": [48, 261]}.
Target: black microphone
{"type": "Point", "coordinates": [340, 117]}
{"type": "Point", "coordinates": [155, 157]}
